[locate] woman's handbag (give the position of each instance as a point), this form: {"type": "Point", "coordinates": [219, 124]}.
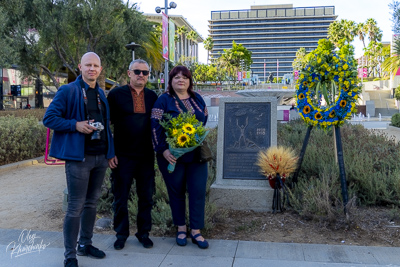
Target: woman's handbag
{"type": "Point", "coordinates": [205, 152]}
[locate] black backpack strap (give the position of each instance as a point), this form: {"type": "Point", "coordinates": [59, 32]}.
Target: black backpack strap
{"type": "Point", "coordinates": [181, 105]}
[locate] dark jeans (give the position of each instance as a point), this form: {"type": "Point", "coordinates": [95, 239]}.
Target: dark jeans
{"type": "Point", "coordinates": [186, 176]}
{"type": "Point", "coordinates": [84, 181]}
{"type": "Point", "coordinates": [122, 178]}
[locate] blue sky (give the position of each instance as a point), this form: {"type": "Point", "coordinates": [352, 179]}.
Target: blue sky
{"type": "Point", "coordinates": [198, 12]}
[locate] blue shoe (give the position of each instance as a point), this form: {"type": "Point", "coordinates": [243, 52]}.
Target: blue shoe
{"type": "Point", "coordinates": [200, 244]}
{"type": "Point", "coordinates": [181, 241]}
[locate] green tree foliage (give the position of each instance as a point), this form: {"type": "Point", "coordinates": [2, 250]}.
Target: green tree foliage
{"type": "Point", "coordinates": [376, 56]}
{"type": "Point", "coordinates": [181, 31]}
{"type": "Point", "coordinates": [235, 59]}
{"type": "Point", "coordinates": [49, 35]}
{"type": "Point", "coordinates": [342, 31]}
{"type": "Point", "coordinates": [300, 61]}
{"type": "Point", "coordinates": [208, 45]}
{"type": "Point", "coordinates": [392, 63]}
{"type": "Point", "coordinates": [192, 36]}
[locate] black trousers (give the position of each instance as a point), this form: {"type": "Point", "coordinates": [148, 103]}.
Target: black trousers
{"type": "Point", "coordinates": [122, 178]}
{"type": "Point", "coordinates": [190, 177]}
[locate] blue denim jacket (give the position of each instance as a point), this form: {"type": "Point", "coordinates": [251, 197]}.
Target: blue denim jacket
{"type": "Point", "coordinates": [64, 111]}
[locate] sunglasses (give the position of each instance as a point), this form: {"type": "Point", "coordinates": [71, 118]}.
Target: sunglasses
{"type": "Point", "coordinates": [137, 72]}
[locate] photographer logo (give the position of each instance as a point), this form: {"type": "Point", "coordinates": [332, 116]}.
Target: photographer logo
{"type": "Point", "coordinates": [27, 243]}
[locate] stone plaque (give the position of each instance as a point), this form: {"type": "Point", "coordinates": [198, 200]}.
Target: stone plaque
{"type": "Point", "coordinates": [245, 125]}
{"type": "Point", "coordinates": [247, 131]}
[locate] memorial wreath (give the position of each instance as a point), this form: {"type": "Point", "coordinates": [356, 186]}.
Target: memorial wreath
{"type": "Point", "coordinates": [327, 89]}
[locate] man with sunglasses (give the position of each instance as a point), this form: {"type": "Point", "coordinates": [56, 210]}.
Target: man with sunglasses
{"type": "Point", "coordinates": [130, 107]}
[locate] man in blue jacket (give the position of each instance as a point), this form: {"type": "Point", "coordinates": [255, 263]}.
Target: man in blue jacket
{"type": "Point", "coordinates": [80, 116]}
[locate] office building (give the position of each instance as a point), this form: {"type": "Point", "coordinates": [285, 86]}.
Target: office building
{"type": "Point", "coordinates": [273, 33]}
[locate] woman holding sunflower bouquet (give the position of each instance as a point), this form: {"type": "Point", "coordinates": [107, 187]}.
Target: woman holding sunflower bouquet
{"type": "Point", "coordinates": [189, 173]}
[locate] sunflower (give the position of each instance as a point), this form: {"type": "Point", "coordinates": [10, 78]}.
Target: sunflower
{"type": "Point", "coordinates": [306, 109]}
{"type": "Point", "coordinates": [301, 96]}
{"type": "Point", "coordinates": [188, 128]}
{"type": "Point", "coordinates": [182, 140]}
{"type": "Point", "coordinates": [174, 132]}
{"type": "Point", "coordinates": [343, 103]}
{"type": "Point", "coordinates": [332, 114]}
{"type": "Point", "coordinates": [318, 116]}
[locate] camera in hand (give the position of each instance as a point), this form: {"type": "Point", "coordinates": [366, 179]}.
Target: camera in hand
{"type": "Point", "coordinates": [96, 133]}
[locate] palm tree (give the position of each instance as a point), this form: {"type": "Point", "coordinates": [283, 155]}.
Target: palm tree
{"type": "Point", "coordinates": [361, 32]}
{"type": "Point", "coordinates": [392, 64]}
{"type": "Point", "coordinates": [342, 31]}
{"type": "Point", "coordinates": [374, 33]}
{"type": "Point", "coordinates": [153, 48]}
{"type": "Point", "coordinates": [208, 45]}
{"type": "Point", "coordinates": [192, 37]}
{"type": "Point", "coordinates": [300, 62]}
{"type": "Point", "coordinates": [182, 32]}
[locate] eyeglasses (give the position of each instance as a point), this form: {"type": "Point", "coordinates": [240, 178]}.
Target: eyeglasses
{"type": "Point", "coordinates": [137, 72]}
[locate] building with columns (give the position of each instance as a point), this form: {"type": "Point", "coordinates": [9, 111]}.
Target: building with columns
{"type": "Point", "coordinates": [189, 47]}
{"type": "Point", "coordinates": [273, 33]}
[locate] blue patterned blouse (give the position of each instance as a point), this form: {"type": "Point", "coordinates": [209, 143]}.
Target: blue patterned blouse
{"type": "Point", "coordinates": [166, 103]}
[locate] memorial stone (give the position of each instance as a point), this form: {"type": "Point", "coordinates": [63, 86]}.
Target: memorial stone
{"type": "Point", "coordinates": [246, 126]}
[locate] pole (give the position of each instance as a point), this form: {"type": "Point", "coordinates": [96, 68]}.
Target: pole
{"type": "Point", "coordinates": [302, 152]}
{"type": "Point", "coordinates": [341, 168]}
{"type": "Point", "coordinates": [1, 89]}
{"type": "Point", "coordinates": [166, 61]}
{"type": "Point", "coordinates": [265, 81]}
{"type": "Point", "coordinates": [277, 71]}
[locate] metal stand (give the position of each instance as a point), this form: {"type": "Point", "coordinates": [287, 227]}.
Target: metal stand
{"type": "Point", "coordinates": [342, 171]}
{"type": "Point", "coordinates": [340, 157]}
{"type": "Point", "coordinates": [302, 152]}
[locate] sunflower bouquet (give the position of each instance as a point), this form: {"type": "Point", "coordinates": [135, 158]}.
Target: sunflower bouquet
{"type": "Point", "coordinates": [184, 134]}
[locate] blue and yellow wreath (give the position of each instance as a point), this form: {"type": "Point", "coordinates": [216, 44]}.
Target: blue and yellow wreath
{"type": "Point", "coordinates": [327, 89]}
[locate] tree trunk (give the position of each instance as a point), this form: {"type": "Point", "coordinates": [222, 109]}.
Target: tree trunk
{"type": "Point", "coordinates": [101, 80]}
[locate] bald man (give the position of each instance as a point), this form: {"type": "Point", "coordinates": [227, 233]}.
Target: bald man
{"type": "Point", "coordinates": [80, 117]}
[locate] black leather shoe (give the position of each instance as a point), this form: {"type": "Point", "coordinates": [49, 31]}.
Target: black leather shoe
{"type": "Point", "coordinates": [119, 244]}
{"type": "Point", "coordinates": [181, 241]}
{"type": "Point", "coordinates": [200, 244]}
{"type": "Point", "coordinates": [71, 262]}
{"type": "Point", "coordinates": [90, 251]}
{"type": "Point", "coordinates": [145, 240]}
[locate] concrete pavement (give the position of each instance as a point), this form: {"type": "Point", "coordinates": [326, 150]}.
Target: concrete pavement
{"type": "Point", "coordinates": [221, 253]}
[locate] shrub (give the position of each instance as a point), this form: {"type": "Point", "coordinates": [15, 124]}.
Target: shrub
{"type": "Point", "coordinates": [20, 139]}
{"type": "Point", "coordinates": [396, 120]}
{"type": "Point", "coordinates": [371, 165]}
{"type": "Point", "coordinates": [24, 113]}
{"type": "Point", "coordinates": [397, 93]}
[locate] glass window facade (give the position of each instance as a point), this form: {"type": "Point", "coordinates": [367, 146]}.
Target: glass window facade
{"type": "Point", "coordinates": [271, 34]}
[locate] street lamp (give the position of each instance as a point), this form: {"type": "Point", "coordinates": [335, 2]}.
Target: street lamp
{"type": "Point", "coordinates": [132, 47]}
{"type": "Point", "coordinates": [158, 10]}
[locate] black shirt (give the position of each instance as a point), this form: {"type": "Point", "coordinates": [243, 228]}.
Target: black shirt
{"type": "Point", "coordinates": [132, 129]}
{"type": "Point", "coordinates": [95, 146]}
